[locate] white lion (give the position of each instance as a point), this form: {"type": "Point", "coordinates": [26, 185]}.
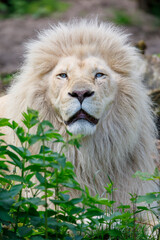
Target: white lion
{"type": "Point", "coordinates": [83, 76]}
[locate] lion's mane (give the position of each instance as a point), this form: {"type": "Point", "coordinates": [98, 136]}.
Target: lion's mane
{"type": "Point", "coordinates": [124, 141]}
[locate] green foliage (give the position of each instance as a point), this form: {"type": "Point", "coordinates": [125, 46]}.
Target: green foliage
{"type": "Point", "coordinates": [36, 8]}
{"type": "Point", "coordinates": [122, 18]}
{"type": "Point", "coordinates": [5, 80]}
{"type": "Point", "coordinates": [35, 191]}
{"type": "Point", "coordinates": [151, 198]}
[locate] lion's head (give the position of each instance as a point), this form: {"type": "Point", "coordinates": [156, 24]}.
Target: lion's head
{"type": "Point", "coordinates": [81, 66]}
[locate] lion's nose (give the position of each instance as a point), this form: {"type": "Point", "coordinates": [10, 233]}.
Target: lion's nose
{"type": "Point", "coordinates": [81, 95]}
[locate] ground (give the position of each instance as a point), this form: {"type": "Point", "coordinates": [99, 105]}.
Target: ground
{"type": "Point", "coordinates": [15, 32]}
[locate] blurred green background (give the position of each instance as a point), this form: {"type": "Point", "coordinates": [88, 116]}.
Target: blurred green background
{"type": "Point", "coordinates": [40, 8]}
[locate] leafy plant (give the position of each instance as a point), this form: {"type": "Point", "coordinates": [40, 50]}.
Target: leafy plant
{"type": "Point", "coordinates": [35, 8]}
{"type": "Point", "coordinates": [151, 198]}
{"type": "Point", "coordinates": [35, 191]}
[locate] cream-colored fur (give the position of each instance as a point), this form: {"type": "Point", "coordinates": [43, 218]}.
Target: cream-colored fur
{"type": "Point", "coordinates": [123, 140]}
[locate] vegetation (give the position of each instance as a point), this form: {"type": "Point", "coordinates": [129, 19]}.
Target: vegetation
{"type": "Point", "coordinates": [36, 8]}
{"type": "Point", "coordinates": [5, 80]}
{"type": "Point", "coordinates": [28, 209]}
{"type": "Point", "coordinates": [122, 18]}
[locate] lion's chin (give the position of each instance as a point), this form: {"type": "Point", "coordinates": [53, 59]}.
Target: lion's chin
{"type": "Point", "coordinates": [82, 127]}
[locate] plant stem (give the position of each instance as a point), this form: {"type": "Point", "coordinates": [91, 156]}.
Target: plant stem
{"type": "Point", "coordinates": [20, 194]}
{"type": "Point", "coordinates": [134, 218]}
{"type": "Point", "coordinates": [56, 197]}
{"type": "Point", "coordinates": [46, 204]}
{"type": "Point", "coordinates": [45, 185]}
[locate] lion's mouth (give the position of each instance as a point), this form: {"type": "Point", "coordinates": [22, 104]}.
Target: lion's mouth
{"type": "Point", "coordinates": [81, 114]}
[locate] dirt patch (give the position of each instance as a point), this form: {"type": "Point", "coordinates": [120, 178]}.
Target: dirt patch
{"type": "Point", "coordinates": [15, 32]}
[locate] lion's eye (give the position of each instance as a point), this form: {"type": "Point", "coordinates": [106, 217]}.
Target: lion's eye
{"type": "Point", "coordinates": [62, 75]}
{"type": "Point", "coordinates": [99, 75]}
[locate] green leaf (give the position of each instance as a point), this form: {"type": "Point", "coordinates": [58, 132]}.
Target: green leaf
{"type": "Point", "coordinates": [115, 215]}
{"type": "Point", "coordinates": [115, 233]}
{"type": "Point", "coordinates": [76, 210]}
{"type": "Point", "coordinates": [69, 133]}
{"type": "Point", "coordinates": [23, 137]}
{"type": "Point", "coordinates": [70, 184]}
{"type": "Point", "coordinates": [4, 194]}
{"type": "Point", "coordinates": [46, 123]}
{"type": "Point", "coordinates": [1, 134]}
{"type": "Point", "coordinates": [143, 208]}
{"type": "Point", "coordinates": [42, 163]}
{"type": "Point", "coordinates": [38, 237]}
{"type": "Point", "coordinates": [75, 200]}
{"type": "Point", "coordinates": [144, 176]}
{"type": "Point", "coordinates": [16, 189]}
{"type": "Point", "coordinates": [3, 148]}
{"type": "Point", "coordinates": [33, 139]}
{"type": "Point", "coordinates": [69, 165]}
{"type": "Point", "coordinates": [156, 173]}
{"type": "Point", "coordinates": [5, 216]}
{"type": "Point", "coordinates": [4, 122]}
{"type": "Point", "coordinates": [15, 158]}
{"type": "Point", "coordinates": [19, 150]}
{"type": "Point", "coordinates": [30, 118]}
{"type": "Point", "coordinates": [57, 201]}
{"type": "Point", "coordinates": [75, 140]}
{"type": "Point", "coordinates": [6, 203]}
{"type": "Point", "coordinates": [105, 201]}
{"type": "Point", "coordinates": [4, 180]}
{"type": "Point", "coordinates": [65, 197]}
{"type": "Point", "coordinates": [148, 198]}
{"type": "Point", "coordinates": [34, 168]}
{"type": "Point", "coordinates": [29, 176]}
{"type": "Point", "coordinates": [14, 178]}
{"type": "Point", "coordinates": [62, 161]}
{"type": "Point", "coordinates": [158, 197]}
{"type": "Point", "coordinates": [3, 165]}
{"type": "Point", "coordinates": [156, 227]}
{"type": "Point", "coordinates": [50, 135]}
{"type": "Point", "coordinates": [10, 193]}
{"type": "Point", "coordinates": [24, 231]}
{"type": "Point", "coordinates": [34, 201]}
{"type": "Point", "coordinates": [2, 156]}
{"type": "Point", "coordinates": [40, 178]}
{"type": "Point", "coordinates": [92, 212]}
{"type": "Point", "coordinates": [36, 221]}
{"type": "Point", "coordinates": [124, 206]}
{"type": "Point", "coordinates": [14, 125]}
{"type": "Point", "coordinates": [51, 213]}
{"type": "Point", "coordinates": [42, 126]}
{"type": "Point", "coordinates": [44, 149]}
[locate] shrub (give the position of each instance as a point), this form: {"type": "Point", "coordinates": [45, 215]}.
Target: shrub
{"type": "Point", "coordinates": [48, 212]}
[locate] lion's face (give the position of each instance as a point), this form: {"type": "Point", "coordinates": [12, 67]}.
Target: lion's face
{"type": "Point", "coordinates": [81, 91]}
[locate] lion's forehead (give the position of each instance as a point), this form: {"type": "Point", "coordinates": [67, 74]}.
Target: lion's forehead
{"type": "Point", "coordinates": [76, 65]}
